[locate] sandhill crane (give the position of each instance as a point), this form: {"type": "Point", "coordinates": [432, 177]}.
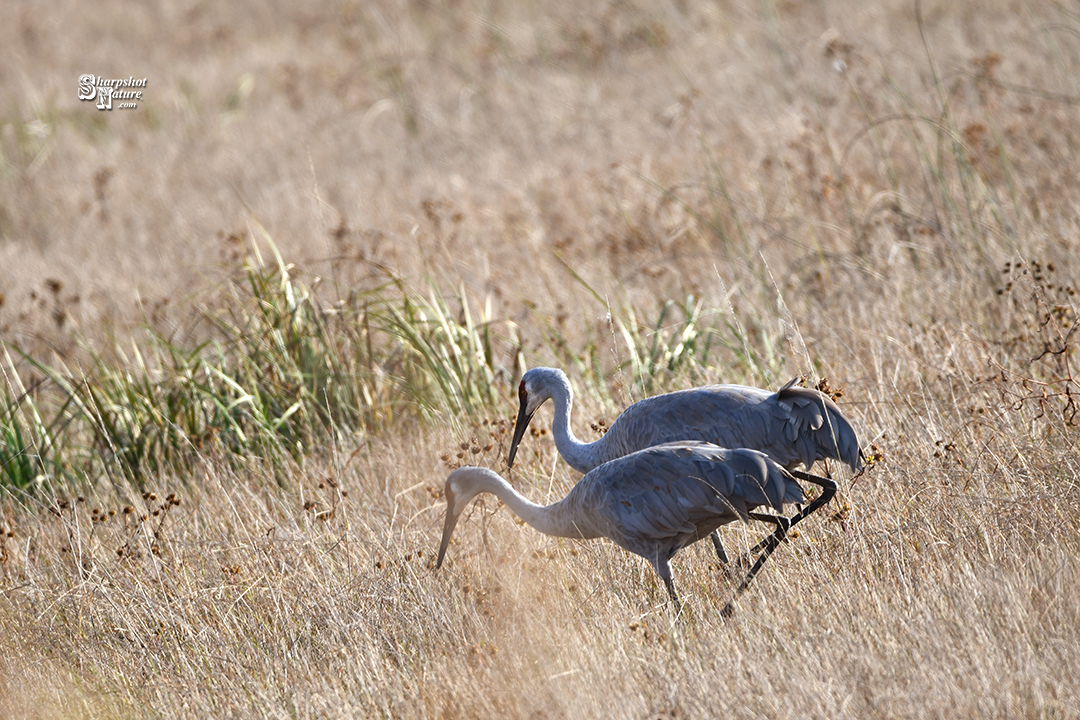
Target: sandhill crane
{"type": "Point", "coordinates": [793, 426]}
{"type": "Point", "coordinates": [653, 502]}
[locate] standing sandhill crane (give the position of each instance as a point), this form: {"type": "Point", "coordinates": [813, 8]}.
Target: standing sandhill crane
{"type": "Point", "coordinates": [793, 426]}
{"type": "Point", "coordinates": [653, 502]}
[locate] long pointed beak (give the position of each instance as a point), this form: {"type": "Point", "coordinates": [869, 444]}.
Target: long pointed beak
{"type": "Point", "coordinates": [448, 530]}
{"type": "Point", "coordinates": [523, 419]}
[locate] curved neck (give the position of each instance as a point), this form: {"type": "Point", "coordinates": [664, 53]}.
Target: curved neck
{"type": "Point", "coordinates": [581, 456]}
{"type": "Point", "coordinates": [557, 519]}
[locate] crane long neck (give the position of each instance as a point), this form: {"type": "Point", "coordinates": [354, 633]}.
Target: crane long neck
{"type": "Point", "coordinates": [581, 456]}
{"type": "Point", "coordinates": [558, 519]}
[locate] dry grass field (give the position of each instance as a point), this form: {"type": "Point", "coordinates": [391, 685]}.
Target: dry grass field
{"type": "Point", "coordinates": [248, 327]}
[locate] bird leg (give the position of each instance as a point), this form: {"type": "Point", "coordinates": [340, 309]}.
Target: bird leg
{"type": "Point", "coordinates": [670, 584]}
{"type": "Point", "coordinates": [770, 543]}
{"type": "Point", "coordinates": [829, 488]}
{"type": "Point", "coordinates": [766, 546]}
{"type": "Point", "coordinates": [663, 569]}
{"type": "Point", "coordinates": [719, 546]}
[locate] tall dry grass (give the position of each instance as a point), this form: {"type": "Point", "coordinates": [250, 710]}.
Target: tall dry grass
{"type": "Point", "coordinates": [885, 195]}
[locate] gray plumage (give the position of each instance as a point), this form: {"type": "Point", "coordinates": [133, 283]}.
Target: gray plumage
{"type": "Point", "coordinates": [653, 502]}
{"type": "Point", "coordinates": [793, 426]}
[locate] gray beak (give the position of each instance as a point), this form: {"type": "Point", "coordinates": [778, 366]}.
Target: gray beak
{"type": "Point", "coordinates": [448, 529]}
{"type": "Point", "coordinates": [523, 419]}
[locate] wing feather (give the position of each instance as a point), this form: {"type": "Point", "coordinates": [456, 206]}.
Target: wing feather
{"type": "Point", "coordinates": [793, 426]}
{"type": "Point", "coordinates": [676, 493]}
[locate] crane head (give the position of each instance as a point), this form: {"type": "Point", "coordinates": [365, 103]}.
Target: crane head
{"type": "Point", "coordinates": [537, 387]}
{"type": "Point", "coordinates": [462, 485]}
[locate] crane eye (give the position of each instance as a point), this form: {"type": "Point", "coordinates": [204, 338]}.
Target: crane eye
{"type": "Point", "coordinates": [521, 389]}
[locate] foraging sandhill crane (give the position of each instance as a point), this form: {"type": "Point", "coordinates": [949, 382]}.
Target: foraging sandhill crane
{"type": "Point", "coordinates": [793, 426]}
{"type": "Point", "coordinates": [653, 502]}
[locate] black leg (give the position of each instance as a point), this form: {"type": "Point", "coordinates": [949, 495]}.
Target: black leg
{"type": "Point", "coordinates": [768, 545]}
{"type": "Point", "coordinates": [718, 546]}
{"type": "Point", "coordinates": [782, 523]}
{"type": "Point", "coordinates": [828, 491]}
{"type": "Point", "coordinates": [670, 584]}
{"type": "Point", "coordinates": [663, 569]}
